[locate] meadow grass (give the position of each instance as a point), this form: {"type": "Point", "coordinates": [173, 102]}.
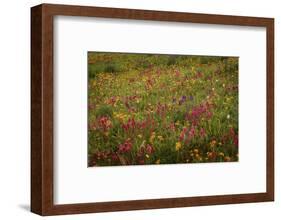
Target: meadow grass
{"type": "Point", "coordinates": [161, 109]}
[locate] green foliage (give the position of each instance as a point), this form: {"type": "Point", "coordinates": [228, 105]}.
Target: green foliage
{"type": "Point", "coordinates": [94, 69]}
{"type": "Point", "coordinates": [230, 65]}
{"type": "Point", "coordinates": [179, 116]}
{"type": "Point", "coordinates": [103, 67]}
{"type": "Point", "coordinates": [104, 110]}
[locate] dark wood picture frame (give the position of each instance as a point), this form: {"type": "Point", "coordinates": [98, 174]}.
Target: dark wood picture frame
{"type": "Point", "coordinates": [42, 108]}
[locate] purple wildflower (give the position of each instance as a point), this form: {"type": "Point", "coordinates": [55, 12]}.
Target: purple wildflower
{"type": "Point", "coordinates": [182, 100]}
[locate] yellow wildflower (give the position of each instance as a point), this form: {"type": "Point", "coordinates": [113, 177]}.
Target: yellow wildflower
{"type": "Point", "coordinates": [178, 146]}
{"type": "Point", "coordinates": [213, 143]}
{"type": "Point", "coordinates": [147, 156]}
{"type": "Point", "coordinates": [192, 68]}
{"type": "Point", "coordinates": [160, 137]}
{"type": "Point", "coordinates": [227, 159]}
{"type": "Point", "coordinates": [119, 116]}
{"type": "Point", "coordinates": [152, 137]}
{"type": "Point", "coordinates": [108, 123]}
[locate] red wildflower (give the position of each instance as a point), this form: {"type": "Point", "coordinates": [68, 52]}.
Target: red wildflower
{"type": "Point", "coordinates": [131, 124]}
{"type": "Point", "coordinates": [182, 134]}
{"type": "Point", "coordinates": [104, 123]}
{"type": "Point", "coordinates": [125, 147]}
{"type": "Point", "coordinates": [172, 126]}
{"type": "Point", "coordinates": [149, 149]}
{"type": "Point", "coordinates": [202, 132]}
{"type": "Point", "coordinates": [114, 157]}
{"type": "Point", "coordinates": [191, 133]}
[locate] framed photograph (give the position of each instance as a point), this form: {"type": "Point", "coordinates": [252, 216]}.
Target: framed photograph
{"type": "Point", "coordinates": [138, 109]}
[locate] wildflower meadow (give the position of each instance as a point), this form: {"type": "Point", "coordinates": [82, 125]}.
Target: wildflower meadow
{"type": "Point", "coordinates": [161, 109]}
